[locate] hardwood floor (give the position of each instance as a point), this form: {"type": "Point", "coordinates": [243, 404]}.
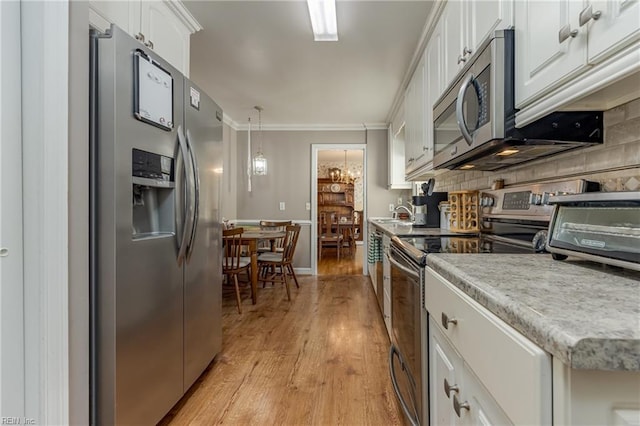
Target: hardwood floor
{"type": "Point", "coordinates": [320, 359]}
{"type": "Point", "coordinates": [349, 264]}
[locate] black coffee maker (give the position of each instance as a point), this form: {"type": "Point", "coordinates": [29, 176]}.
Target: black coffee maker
{"type": "Point", "coordinates": [425, 207]}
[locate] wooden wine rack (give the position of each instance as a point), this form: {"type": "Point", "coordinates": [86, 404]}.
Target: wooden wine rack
{"type": "Point", "coordinates": [464, 208]}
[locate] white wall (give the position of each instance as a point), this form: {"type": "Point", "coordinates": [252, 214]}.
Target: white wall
{"type": "Point", "coordinates": [78, 213]}
{"type": "Point", "coordinates": [12, 403]}
{"type": "Point", "coordinates": [46, 120]}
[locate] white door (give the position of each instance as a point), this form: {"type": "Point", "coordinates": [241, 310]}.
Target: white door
{"type": "Point", "coordinates": [617, 26]}
{"type": "Point", "coordinates": [484, 17]}
{"type": "Point", "coordinates": [544, 61]}
{"type": "Point", "coordinates": [445, 373]}
{"type": "Point", "coordinates": [455, 36]}
{"type": "Point", "coordinates": [166, 34]}
{"type": "Point", "coordinates": [12, 403]}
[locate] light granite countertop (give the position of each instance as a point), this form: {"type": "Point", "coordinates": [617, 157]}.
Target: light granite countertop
{"type": "Point", "coordinates": [586, 314]}
{"type": "Point", "coordinates": [402, 228]}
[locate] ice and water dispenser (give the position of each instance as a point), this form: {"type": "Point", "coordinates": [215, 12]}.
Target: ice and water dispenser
{"type": "Point", "coordinates": [153, 195]}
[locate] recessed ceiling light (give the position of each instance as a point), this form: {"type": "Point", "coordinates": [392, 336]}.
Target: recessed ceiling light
{"type": "Point", "coordinates": [507, 151]}
{"type": "Point", "coordinates": [323, 19]}
{"type": "Point", "coordinates": [467, 167]}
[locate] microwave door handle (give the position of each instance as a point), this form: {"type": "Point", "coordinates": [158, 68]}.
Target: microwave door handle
{"type": "Point", "coordinates": [459, 103]}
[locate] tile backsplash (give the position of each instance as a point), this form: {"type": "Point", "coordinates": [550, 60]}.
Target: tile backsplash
{"type": "Point", "coordinates": [615, 163]}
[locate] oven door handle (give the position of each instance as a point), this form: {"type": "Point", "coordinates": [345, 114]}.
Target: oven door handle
{"type": "Point", "coordinates": [411, 272]}
{"type": "Point", "coordinates": [413, 417]}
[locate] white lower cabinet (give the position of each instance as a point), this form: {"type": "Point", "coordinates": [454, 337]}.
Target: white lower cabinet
{"type": "Point", "coordinates": [445, 371]}
{"type": "Point", "coordinates": [499, 376]}
{"type": "Point", "coordinates": [457, 396]}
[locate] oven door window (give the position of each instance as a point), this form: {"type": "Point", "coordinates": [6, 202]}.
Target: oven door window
{"type": "Point", "coordinates": [406, 322]}
{"type": "Point", "coordinates": [405, 292]}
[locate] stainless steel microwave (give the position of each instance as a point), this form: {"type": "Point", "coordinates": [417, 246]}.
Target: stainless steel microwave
{"type": "Point", "coordinates": [474, 120]}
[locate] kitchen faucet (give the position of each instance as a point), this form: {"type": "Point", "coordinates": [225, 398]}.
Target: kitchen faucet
{"type": "Point", "coordinates": [395, 212]}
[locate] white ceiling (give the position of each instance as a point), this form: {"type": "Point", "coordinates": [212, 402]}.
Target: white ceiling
{"type": "Point", "coordinates": [262, 53]}
{"type": "Point", "coordinates": [337, 155]}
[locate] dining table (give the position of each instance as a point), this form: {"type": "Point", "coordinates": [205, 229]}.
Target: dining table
{"type": "Point", "coordinates": [251, 238]}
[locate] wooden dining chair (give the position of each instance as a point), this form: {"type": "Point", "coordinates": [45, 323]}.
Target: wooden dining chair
{"type": "Point", "coordinates": [277, 266]}
{"type": "Point", "coordinates": [233, 261]}
{"type": "Point", "coordinates": [326, 235]}
{"type": "Point", "coordinates": [347, 227]}
{"type": "Point", "coordinates": [270, 225]}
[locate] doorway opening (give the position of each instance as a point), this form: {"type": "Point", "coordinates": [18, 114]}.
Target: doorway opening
{"type": "Point", "coordinates": [338, 202]}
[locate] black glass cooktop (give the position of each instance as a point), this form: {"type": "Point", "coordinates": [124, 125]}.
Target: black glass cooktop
{"type": "Point", "coordinates": [463, 244]}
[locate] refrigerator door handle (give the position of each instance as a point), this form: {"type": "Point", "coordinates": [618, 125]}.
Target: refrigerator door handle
{"type": "Point", "coordinates": [196, 199]}
{"type": "Point", "coordinates": [186, 223]}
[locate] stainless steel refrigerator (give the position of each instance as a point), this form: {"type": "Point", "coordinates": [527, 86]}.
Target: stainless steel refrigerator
{"type": "Point", "coordinates": [156, 269]}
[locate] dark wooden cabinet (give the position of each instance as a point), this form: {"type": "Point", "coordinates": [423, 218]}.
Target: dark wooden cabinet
{"type": "Point", "coordinates": [335, 197]}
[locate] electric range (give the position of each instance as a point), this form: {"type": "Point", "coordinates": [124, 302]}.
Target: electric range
{"type": "Point", "coordinates": [513, 220]}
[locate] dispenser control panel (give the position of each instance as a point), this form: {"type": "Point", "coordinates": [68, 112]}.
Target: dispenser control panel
{"type": "Point", "coordinates": [152, 166]}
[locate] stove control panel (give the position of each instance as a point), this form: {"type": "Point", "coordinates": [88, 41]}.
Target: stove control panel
{"type": "Point", "coordinates": [516, 200]}
{"type": "Point", "coordinates": [529, 201]}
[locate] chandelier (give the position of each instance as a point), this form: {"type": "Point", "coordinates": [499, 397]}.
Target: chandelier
{"type": "Point", "coordinates": [342, 175]}
{"type": "Point", "coordinates": [259, 160]}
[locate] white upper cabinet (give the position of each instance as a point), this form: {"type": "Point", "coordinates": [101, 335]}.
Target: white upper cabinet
{"type": "Point", "coordinates": [617, 24]}
{"type": "Point", "coordinates": [549, 45]}
{"type": "Point", "coordinates": [396, 154]}
{"type": "Point", "coordinates": [557, 41]}
{"type": "Point", "coordinates": [466, 24]}
{"type": "Point", "coordinates": [435, 67]}
{"type": "Point", "coordinates": [164, 26]}
{"type": "Point", "coordinates": [124, 14]}
{"type": "Point", "coordinates": [414, 119]}
{"type": "Point", "coordinates": [485, 17]}
{"type": "Point", "coordinates": [455, 35]}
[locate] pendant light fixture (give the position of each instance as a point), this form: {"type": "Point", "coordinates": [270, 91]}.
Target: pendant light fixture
{"type": "Point", "coordinates": [342, 176]}
{"type": "Point", "coordinates": [259, 161]}
{"type": "Point", "coordinates": [249, 165]}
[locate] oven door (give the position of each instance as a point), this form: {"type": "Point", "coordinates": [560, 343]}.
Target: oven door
{"type": "Point", "coordinates": [405, 356]}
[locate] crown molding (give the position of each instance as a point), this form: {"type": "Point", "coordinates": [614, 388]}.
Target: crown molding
{"type": "Point", "coordinates": [427, 30]}
{"type": "Point", "coordinates": [230, 122]}
{"type": "Point", "coordinates": [313, 127]}
{"type": "Point", "coordinates": [185, 16]}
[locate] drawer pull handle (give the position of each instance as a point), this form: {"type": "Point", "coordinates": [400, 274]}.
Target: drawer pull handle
{"type": "Point", "coordinates": [448, 388]}
{"type": "Point", "coordinates": [588, 14]}
{"type": "Point", "coordinates": [446, 321]}
{"type": "Point", "coordinates": [459, 406]}
{"type": "Point", "coordinates": [565, 33]}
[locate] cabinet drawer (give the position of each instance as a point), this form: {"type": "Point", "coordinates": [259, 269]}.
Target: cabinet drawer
{"type": "Point", "coordinates": [514, 370]}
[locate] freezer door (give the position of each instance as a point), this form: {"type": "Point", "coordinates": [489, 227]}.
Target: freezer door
{"type": "Point", "coordinates": [203, 271]}
{"type": "Point", "coordinates": [138, 287]}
